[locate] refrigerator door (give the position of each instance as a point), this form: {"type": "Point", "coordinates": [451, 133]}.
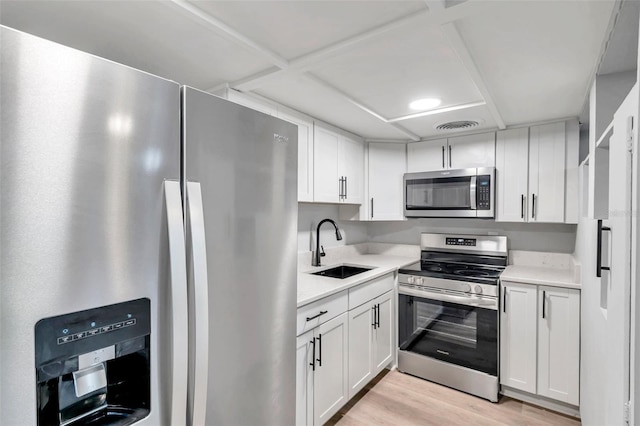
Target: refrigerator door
{"type": "Point", "coordinates": [86, 145]}
{"type": "Point", "coordinates": [246, 163]}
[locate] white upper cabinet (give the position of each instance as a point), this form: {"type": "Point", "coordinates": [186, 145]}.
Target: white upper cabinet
{"type": "Point", "coordinates": [512, 165]}
{"type": "Point", "coordinates": [387, 165]}
{"type": "Point", "coordinates": [351, 169]}
{"type": "Point", "coordinates": [305, 155]}
{"type": "Point", "coordinates": [465, 152]}
{"type": "Point", "coordinates": [426, 156]}
{"type": "Point", "coordinates": [547, 145]}
{"type": "Point", "coordinates": [462, 152]}
{"type": "Point", "coordinates": [338, 171]}
{"type": "Point", "coordinates": [531, 170]}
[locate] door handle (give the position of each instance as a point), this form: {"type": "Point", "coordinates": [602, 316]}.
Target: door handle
{"type": "Point", "coordinates": [443, 156]}
{"type": "Point", "coordinates": [533, 206]}
{"type": "Point", "coordinates": [179, 306]}
{"type": "Point", "coordinates": [371, 207]}
{"type": "Point", "coordinates": [522, 206]}
{"type": "Point", "coordinates": [599, 267]}
{"type": "Point", "coordinates": [544, 302]}
{"type": "Point", "coordinates": [199, 302]}
{"type": "Point", "coordinates": [378, 316]}
{"type": "Point", "coordinates": [449, 156]}
{"type": "Point", "coordinates": [316, 316]}
{"type": "Point", "coordinates": [313, 355]}
{"type": "Point", "coordinates": [473, 197]}
{"type": "Point", "coordinates": [319, 350]}
{"type": "Point", "coordinates": [504, 300]}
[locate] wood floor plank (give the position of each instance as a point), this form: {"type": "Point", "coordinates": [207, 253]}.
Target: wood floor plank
{"type": "Point", "coordinates": [397, 399]}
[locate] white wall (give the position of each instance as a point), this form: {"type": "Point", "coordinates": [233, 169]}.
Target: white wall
{"type": "Point", "coordinates": [558, 238]}
{"type": "Point", "coordinates": [309, 215]}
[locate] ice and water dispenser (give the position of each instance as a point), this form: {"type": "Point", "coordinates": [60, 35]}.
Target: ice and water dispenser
{"type": "Point", "coordinates": [93, 367]}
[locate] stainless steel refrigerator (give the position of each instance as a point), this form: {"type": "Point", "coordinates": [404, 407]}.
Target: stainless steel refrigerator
{"type": "Point", "coordinates": [147, 247]}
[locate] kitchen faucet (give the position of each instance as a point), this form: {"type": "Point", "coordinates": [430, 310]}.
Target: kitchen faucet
{"type": "Point", "coordinates": [315, 259]}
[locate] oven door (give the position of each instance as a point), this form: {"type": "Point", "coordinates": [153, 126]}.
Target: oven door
{"type": "Point", "coordinates": [458, 329]}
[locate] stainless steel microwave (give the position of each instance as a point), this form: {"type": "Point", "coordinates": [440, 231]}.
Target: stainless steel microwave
{"type": "Point", "coordinates": [450, 193]}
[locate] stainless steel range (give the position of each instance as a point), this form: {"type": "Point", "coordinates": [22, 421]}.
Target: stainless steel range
{"type": "Point", "coordinates": [448, 312]}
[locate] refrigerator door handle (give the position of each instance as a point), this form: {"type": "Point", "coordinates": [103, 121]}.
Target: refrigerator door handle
{"type": "Point", "coordinates": [199, 306]}
{"type": "Point", "coordinates": [178, 291]}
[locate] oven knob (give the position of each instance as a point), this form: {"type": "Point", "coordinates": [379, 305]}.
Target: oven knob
{"type": "Point", "coordinates": [420, 281]}
{"type": "Point", "coordinates": [467, 288]}
{"type": "Point", "coordinates": [478, 289]}
{"type": "Point", "coordinates": [411, 279]}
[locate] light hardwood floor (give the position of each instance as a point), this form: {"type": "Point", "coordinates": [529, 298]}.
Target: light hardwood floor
{"type": "Point", "coordinates": [397, 399]}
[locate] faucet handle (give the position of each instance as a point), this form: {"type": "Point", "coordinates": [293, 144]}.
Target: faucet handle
{"type": "Point", "coordinates": [322, 253]}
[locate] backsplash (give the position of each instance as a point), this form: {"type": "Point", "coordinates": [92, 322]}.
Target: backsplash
{"type": "Point", "coordinates": [558, 238]}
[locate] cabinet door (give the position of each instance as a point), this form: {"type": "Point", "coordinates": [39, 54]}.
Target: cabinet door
{"type": "Point", "coordinates": [351, 167]}
{"type": "Point", "coordinates": [472, 151]}
{"type": "Point", "coordinates": [326, 186]}
{"type": "Point", "coordinates": [387, 165]}
{"type": "Point", "coordinates": [547, 172]}
{"type": "Point", "coordinates": [305, 156]}
{"type": "Point", "coordinates": [426, 156]}
{"type": "Point", "coordinates": [512, 162]}
{"type": "Point", "coordinates": [360, 347]}
{"type": "Point", "coordinates": [518, 325]}
{"type": "Point", "coordinates": [383, 333]}
{"type": "Point", "coordinates": [559, 344]}
{"type": "Point", "coordinates": [304, 379]}
{"type": "Point", "coordinates": [331, 381]}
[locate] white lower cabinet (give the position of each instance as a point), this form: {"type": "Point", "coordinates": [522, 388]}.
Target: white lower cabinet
{"type": "Point", "coordinates": [383, 332]}
{"type": "Point", "coordinates": [540, 341]}
{"type": "Point", "coordinates": [360, 347]}
{"type": "Point", "coordinates": [321, 371]}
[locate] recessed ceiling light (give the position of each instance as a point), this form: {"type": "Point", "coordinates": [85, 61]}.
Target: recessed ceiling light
{"type": "Point", "coordinates": [426, 103]}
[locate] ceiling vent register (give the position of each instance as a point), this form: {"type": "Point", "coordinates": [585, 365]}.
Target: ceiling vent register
{"type": "Point", "coordinates": [457, 125]}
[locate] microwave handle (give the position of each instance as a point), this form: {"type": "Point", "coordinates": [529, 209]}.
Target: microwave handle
{"type": "Point", "coordinates": [472, 193]}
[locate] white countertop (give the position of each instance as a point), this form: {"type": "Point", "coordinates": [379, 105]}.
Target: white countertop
{"type": "Point", "coordinates": [550, 269]}
{"type": "Point", "coordinates": [315, 287]}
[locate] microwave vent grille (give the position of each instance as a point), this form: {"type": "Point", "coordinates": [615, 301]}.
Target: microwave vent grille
{"type": "Point", "coordinates": [457, 125]}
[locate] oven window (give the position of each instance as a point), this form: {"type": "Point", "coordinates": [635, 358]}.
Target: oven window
{"type": "Point", "coordinates": [463, 335]}
{"type": "Point", "coordinates": [439, 193]}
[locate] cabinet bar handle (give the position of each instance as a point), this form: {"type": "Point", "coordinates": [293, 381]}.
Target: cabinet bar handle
{"type": "Point", "coordinates": [371, 207]}
{"type": "Point", "coordinates": [346, 187]}
{"type": "Point", "coordinates": [449, 156]}
{"type": "Point", "coordinates": [378, 316]}
{"type": "Point", "coordinates": [313, 355]}
{"type": "Point", "coordinates": [522, 206]}
{"type": "Point", "coordinates": [443, 156]}
{"type": "Point", "coordinates": [374, 316]}
{"type": "Point", "coordinates": [504, 301]}
{"type": "Point", "coordinates": [316, 316]}
{"type": "Point", "coordinates": [599, 267]}
{"type": "Point", "coordinates": [533, 206]}
{"type": "Point", "coordinates": [319, 350]}
{"type": "Point", "coordinates": [544, 302]}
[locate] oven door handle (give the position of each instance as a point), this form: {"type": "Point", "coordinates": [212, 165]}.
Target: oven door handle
{"type": "Point", "coordinates": [472, 193]}
{"type": "Point", "coordinates": [477, 301]}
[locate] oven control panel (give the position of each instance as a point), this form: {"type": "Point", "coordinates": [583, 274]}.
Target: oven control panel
{"type": "Point", "coordinates": [460, 241]}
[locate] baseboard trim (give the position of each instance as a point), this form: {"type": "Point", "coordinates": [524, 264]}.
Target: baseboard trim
{"type": "Point", "coordinates": [560, 407]}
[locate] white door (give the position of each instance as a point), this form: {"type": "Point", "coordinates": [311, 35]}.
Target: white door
{"type": "Point", "coordinates": [617, 339]}
{"type": "Point", "coordinates": [426, 156]}
{"type": "Point", "coordinates": [387, 165]}
{"type": "Point", "coordinates": [547, 144]}
{"type": "Point", "coordinates": [326, 184]}
{"type": "Point", "coordinates": [512, 162]}
{"type": "Point", "coordinates": [360, 347]}
{"type": "Point", "coordinates": [383, 332]}
{"type": "Point", "coordinates": [331, 381]}
{"type": "Point", "coordinates": [351, 167]}
{"type": "Point", "coordinates": [559, 344]}
{"type": "Point", "coordinates": [305, 156]}
{"type": "Point", "coordinates": [304, 379]}
{"type": "Point", "coordinates": [472, 151]}
{"type": "Point", "coordinates": [518, 331]}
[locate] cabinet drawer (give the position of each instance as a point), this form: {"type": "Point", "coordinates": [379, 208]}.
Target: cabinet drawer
{"type": "Point", "coordinates": [370, 290]}
{"type": "Point", "coordinates": [321, 311]}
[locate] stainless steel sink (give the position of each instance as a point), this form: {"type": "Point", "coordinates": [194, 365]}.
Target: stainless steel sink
{"type": "Point", "coordinates": [342, 271]}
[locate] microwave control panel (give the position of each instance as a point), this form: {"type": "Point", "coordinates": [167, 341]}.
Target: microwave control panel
{"type": "Point", "coordinates": [483, 192]}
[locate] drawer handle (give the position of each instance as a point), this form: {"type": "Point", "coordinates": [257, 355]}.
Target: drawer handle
{"type": "Point", "coordinates": [316, 316]}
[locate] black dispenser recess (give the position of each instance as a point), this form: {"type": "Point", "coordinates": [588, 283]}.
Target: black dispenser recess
{"type": "Point", "coordinates": [93, 366]}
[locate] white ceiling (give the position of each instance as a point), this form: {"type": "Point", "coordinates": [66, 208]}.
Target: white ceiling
{"type": "Point", "coordinates": [353, 63]}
